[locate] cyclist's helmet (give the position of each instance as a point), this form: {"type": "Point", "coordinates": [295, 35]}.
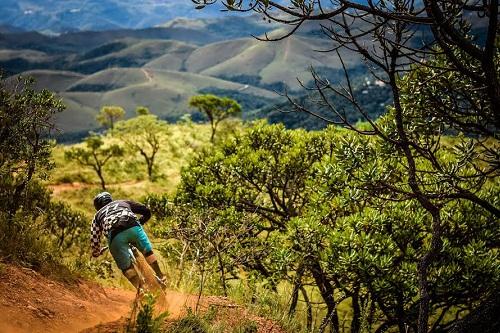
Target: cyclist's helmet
{"type": "Point", "coordinates": [102, 199]}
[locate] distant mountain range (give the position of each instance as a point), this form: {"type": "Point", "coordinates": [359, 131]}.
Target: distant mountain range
{"type": "Point", "coordinates": [162, 67]}
{"type": "Point", "coordinates": [59, 16]}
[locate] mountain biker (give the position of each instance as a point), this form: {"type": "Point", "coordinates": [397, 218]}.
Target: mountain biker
{"type": "Point", "coordinates": [116, 219]}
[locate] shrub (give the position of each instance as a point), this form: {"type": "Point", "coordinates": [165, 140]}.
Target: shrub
{"type": "Point", "coordinates": [191, 323]}
{"type": "Point", "coordinates": [146, 321]}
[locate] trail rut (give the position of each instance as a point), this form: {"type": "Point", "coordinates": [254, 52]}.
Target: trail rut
{"type": "Point", "coordinates": [31, 302]}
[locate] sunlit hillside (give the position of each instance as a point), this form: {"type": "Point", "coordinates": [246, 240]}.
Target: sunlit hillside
{"type": "Point", "coordinates": [127, 176]}
{"type": "Point", "coordinates": [280, 166]}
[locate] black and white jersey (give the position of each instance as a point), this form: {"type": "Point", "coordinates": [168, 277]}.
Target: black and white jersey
{"type": "Point", "coordinates": [110, 215]}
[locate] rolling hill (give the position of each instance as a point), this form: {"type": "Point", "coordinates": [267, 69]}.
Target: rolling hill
{"type": "Point", "coordinates": [282, 61]}
{"type": "Point", "coordinates": [131, 53]}
{"type": "Point", "coordinates": [165, 92]}
{"type": "Point", "coordinates": [162, 67]}
{"type": "Point", "coordinates": [59, 16]}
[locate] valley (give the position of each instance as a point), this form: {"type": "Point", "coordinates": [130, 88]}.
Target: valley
{"type": "Point", "coordinates": [161, 67]}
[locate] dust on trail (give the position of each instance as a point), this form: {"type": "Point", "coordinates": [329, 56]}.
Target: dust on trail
{"type": "Point", "coordinates": [232, 315]}
{"type": "Point", "coordinates": [30, 302]}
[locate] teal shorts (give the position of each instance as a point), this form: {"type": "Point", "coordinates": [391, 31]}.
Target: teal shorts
{"type": "Point", "coordinates": [120, 244]}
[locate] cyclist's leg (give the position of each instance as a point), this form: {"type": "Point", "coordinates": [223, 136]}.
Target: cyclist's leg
{"type": "Point", "coordinates": [119, 250]}
{"type": "Point", "coordinates": [144, 245]}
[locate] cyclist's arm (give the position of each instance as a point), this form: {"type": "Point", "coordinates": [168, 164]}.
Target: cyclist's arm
{"type": "Point", "coordinates": [95, 238]}
{"type": "Point", "coordinates": [141, 209]}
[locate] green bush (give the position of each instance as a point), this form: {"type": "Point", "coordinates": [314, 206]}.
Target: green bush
{"type": "Point", "coordinates": [146, 321]}
{"type": "Point", "coordinates": [66, 226]}
{"type": "Point", "coordinates": [191, 323]}
{"type": "Point", "coordinates": [25, 242]}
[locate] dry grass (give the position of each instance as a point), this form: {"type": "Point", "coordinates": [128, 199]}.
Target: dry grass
{"type": "Point", "coordinates": [127, 176]}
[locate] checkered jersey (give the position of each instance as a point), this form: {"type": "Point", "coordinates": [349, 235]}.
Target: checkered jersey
{"type": "Point", "coordinates": [107, 216]}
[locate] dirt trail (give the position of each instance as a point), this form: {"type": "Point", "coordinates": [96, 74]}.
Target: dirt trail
{"type": "Point", "coordinates": [30, 302]}
{"type": "Point", "coordinates": [148, 73]}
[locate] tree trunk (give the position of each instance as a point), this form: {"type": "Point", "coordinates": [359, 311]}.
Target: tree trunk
{"type": "Point", "coordinates": [213, 135]}
{"type": "Point", "coordinates": [103, 184]}
{"type": "Point", "coordinates": [423, 270]}
{"type": "Point", "coordinates": [150, 169]}
{"type": "Point", "coordinates": [149, 161]}
{"type": "Point", "coordinates": [356, 311]}
{"type": "Point", "coordinates": [222, 273]}
{"type": "Point", "coordinates": [327, 293]}
{"type": "Point", "coordinates": [297, 283]}
{"type": "Point", "coordinates": [200, 290]}
{"type": "Point", "coordinates": [309, 309]}
{"type": "Point", "coordinates": [400, 312]}
{"type": "Point", "coordinates": [424, 201]}
{"type": "Point", "coordinates": [181, 264]}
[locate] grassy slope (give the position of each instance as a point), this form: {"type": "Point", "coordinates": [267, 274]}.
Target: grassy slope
{"type": "Point", "coordinates": [127, 176]}
{"type": "Point", "coordinates": [28, 55]}
{"type": "Point", "coordinates": [272, 61]}
{"type": "Point", "coordinates": [174, 59]}
{"type": "Point", "coordinates": [53, 80]}
{"type": "Point", "coordinates": [135, 54]}
{"type": "Point", "coordinates": [164, 92]}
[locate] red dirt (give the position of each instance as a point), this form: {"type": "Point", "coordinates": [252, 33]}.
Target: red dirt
{"type": "Point", "coordinates": [30, 302]}
{"type": "Point", "coordinates": [58, 188]}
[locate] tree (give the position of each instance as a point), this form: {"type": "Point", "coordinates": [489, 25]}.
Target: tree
{"type": "Point", "coordinates": [313, 208]}
{"type": "Point", "coordinates": [142, 111]}
{"type": "Point", "coordinates": [453, 30]}
{"type": "Point", "coordinates": [264, 173]}
{"type": "Point", "coordinates": [26, 127]}
{"type": "Point", "coordinates": [94, 155]}
{"type": "Point", "coordinates": [67, 226]}
{"type": "Point", "coordinates": [108, 115]}
{"type": "Point", "coordinates": [26, 123]}
{"type": "Point", "coordinates": [215, 108]}
{"type": "Point", "coordinates": [144, 134]}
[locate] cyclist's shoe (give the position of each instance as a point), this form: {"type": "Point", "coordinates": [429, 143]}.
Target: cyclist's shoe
{"type": "Point", "coordinates": [163, 282]}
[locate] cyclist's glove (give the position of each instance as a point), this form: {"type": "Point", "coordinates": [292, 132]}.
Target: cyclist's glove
{"type": "Point", "coordinates": [99, 252]}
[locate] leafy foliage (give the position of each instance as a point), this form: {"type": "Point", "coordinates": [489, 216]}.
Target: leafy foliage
{"type": "Point", "coordinates": [215, 108]}
{"type": "Point", "coordinates": [33, 229]}
{"type": "Point", "coordinates": [144, 134]}
{"type": "Point", "coordinates": [26, 120]}
{"type": "Point", "coordinates": [147, 322]}
{"type": "Point", "coordinates": [95, 155]}
{"type": "Point", "coordinates": [68, 227]}
{"type": "Point", "coordinates": [142, 111]}
{"type": "Point", "coordinates": [108, 116]}
{"type": "Point", "coordinates": [316, 208]}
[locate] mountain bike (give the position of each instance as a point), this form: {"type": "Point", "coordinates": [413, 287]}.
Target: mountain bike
{"type": "Point", "coordinates": [150, 282]}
